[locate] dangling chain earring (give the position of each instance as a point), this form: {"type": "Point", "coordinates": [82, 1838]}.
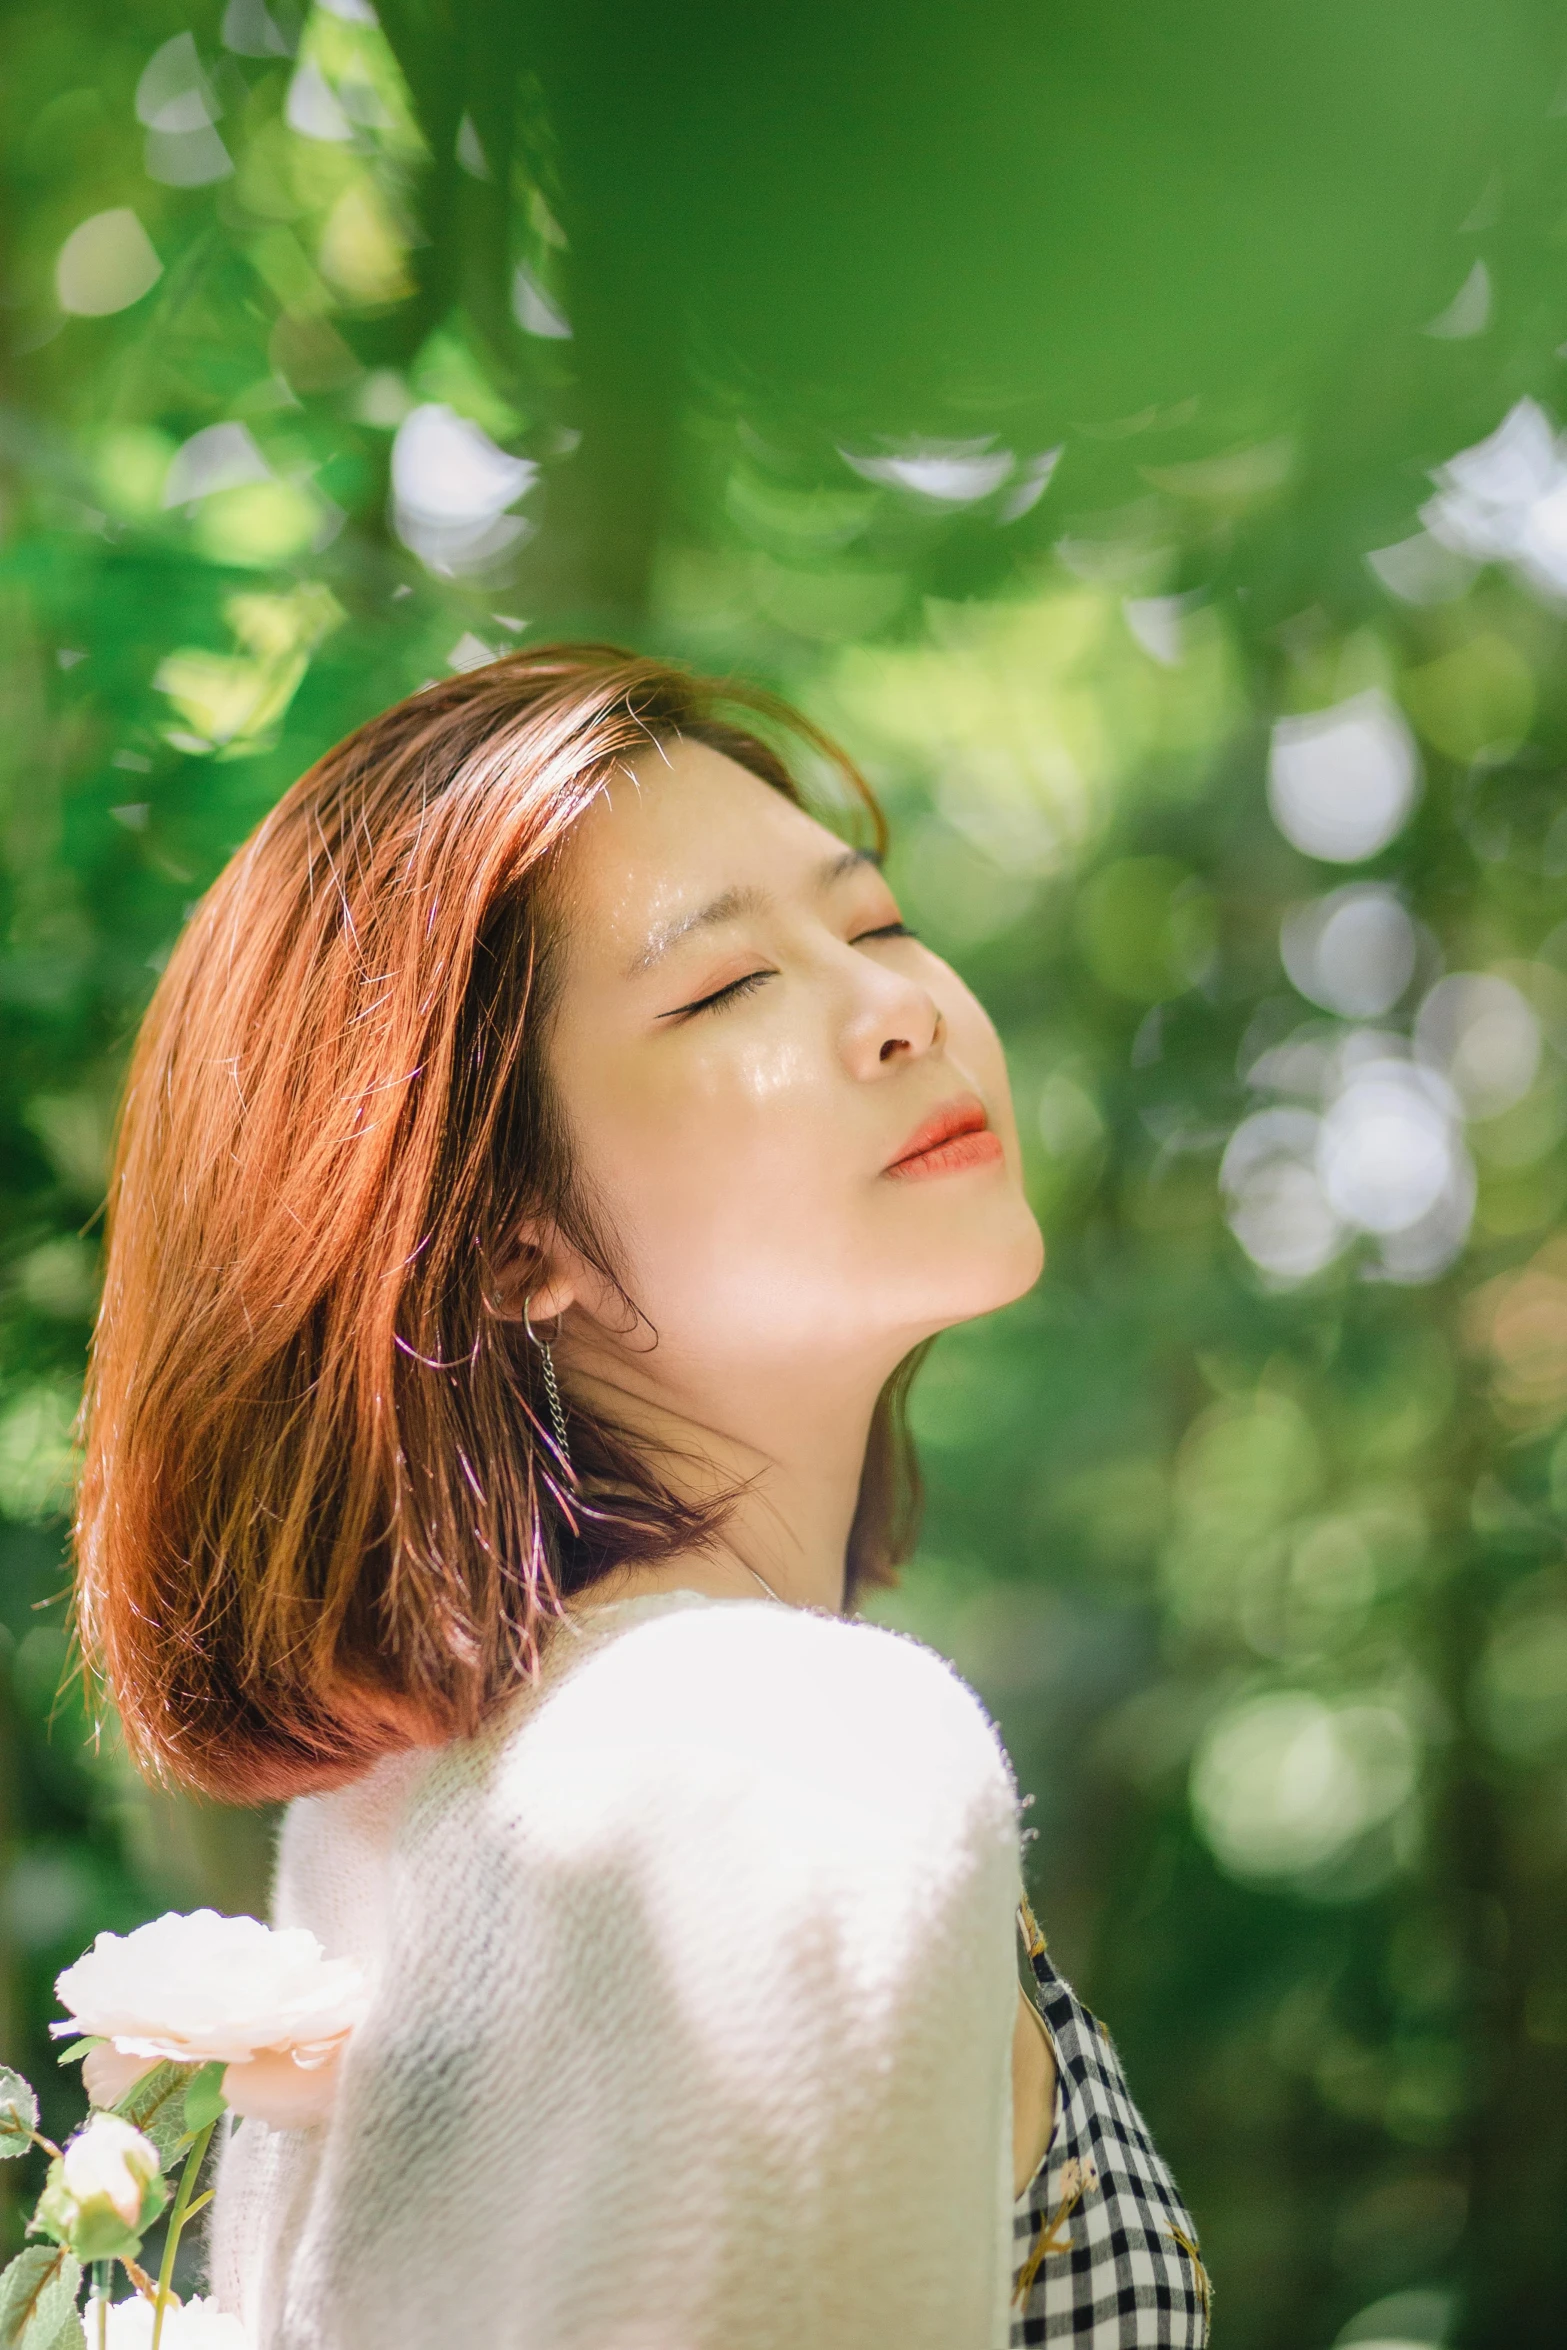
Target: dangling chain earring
{"type": "Point", "coordinates": [551, 1390]}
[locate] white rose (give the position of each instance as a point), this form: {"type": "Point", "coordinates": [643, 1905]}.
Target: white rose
{"type": "Point", "coordinates": [196, 2325]}
{"type": "Point", "coordinates": [203, 1989]}
{"type": "Point", "coordinates": [109, 2162]}
{"type": "Point", "coordinates": [280, 2091]}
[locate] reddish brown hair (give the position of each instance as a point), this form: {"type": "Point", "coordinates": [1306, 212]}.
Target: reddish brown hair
{"type": "Point", "coordinates": [319, 1517]}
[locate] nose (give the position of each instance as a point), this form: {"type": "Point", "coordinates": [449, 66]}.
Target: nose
{"type": "Point", "coordinates": [892, 1019]}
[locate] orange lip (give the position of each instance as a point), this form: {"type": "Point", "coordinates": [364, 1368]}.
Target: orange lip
{"type": "Point", "coordinates": [952, 1139]}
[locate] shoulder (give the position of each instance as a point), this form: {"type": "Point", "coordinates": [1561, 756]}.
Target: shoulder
{"type": "Point", "coordinates": [711, 1791]}
{"type": "Point", "coordinates": [334, 1851]}
{"type": "Point", "coordinates": [847, 1711]}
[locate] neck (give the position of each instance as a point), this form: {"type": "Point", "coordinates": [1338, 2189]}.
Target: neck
{"type": "Point", "coordinates": [793, 1468]}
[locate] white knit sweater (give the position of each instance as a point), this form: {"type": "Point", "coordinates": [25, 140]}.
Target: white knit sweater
{"type": "Point", "coordinates": [693, 2000]}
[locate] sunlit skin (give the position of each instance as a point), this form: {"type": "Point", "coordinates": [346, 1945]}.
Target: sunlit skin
{"type": "Point", "coordinates": [794, 1119]}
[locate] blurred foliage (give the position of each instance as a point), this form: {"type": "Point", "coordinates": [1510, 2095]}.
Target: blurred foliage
{"type": "Point", "coordinates": [1063, 403]}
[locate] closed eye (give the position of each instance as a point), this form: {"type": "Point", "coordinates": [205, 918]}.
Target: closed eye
{"type": "Point", "coordinates": [720, 996]}
{"type": "Point", "coordinates": [736, 988]}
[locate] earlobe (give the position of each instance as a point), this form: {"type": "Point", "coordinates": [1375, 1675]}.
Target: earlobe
{"type": "Point", "coordinates": [532, 1281]}
{"type": "Point", "coordinates": [545, 1304]}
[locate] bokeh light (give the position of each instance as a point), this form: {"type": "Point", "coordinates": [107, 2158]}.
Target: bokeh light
{"type": "Point", "coordinates": [1353, 951]}
{"type": "Point", "coordinates": [178, 104]}
{"type": "Point", "coordinates": [1505, 500]}
{"type": "Point", "coordinates": [1387, 1149]}
{"type": "Point", "coordinates": [1481, 1032]}
{"type": "Point", "coordinates": [1342, 782]}
{"type": "Point", "coordinates": [106, 263]}
{"type": "Point", "coordinates": [1284, 1784]}
{"type": "Point", "coordinates": [1382, 1156]}
{"type": "Point", "coordinates": [451, 490]}
{"type": "Point", "coordinates": [949, 473]}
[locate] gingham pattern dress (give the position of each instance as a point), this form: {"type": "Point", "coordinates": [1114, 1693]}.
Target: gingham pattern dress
{"type": "Point", "coordinates": [1105, 2251]}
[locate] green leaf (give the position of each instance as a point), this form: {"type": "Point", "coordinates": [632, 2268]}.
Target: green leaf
{"type": "Point", "coordinates": [18, 2113]}
{"type": "Point", "coordinates": [79, 2049]}
{"type": "Point", "coordinates": [38, 2298]}
{"type": "Point", "coordinates": [156, 2107]}
{"type": "Point", "coordinates": [204, 2099]}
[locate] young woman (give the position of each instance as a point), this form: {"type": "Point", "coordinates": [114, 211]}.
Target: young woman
{"type": "Point", "coordinates": [544, 1159]}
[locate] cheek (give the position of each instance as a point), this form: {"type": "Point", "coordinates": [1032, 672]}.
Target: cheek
{"type": "Point", "coordinates": [721, 1166]}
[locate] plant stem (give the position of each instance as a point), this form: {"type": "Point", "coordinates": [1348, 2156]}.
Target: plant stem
{"type": "Point", "coordinates": [102, 2281]}
{"type": "Point", "coordinates": [171, 2242]}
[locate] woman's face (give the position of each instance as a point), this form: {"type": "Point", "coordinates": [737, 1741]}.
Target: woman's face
{"type": "Point", "coordinates": [790, 1117]}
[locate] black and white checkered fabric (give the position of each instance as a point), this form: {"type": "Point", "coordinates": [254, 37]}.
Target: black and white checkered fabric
{"type": "Point", "coordinates": [1105, 2251]}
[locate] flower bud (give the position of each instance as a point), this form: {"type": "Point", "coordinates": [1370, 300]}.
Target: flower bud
{"type": "Point", "coordinates": [103, 2191]}
{"type": "Point", "coordinates": [112, 2160]}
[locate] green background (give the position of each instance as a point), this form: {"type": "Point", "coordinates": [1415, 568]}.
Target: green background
{"type": "Point", "coordinates": [1023, 389]}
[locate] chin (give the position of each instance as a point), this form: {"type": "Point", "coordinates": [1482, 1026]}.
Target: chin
{"type": "Point", "coordinates": [1020, 1263]}
{"type": "Point", "coordinates": [990, 1268]}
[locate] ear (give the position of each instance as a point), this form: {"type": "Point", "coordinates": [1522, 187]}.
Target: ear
{"type": "Point", "coordinates": [540, 1278]}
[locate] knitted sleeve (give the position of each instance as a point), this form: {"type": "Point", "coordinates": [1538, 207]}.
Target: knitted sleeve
{"type": "Point", "coordinates": [695, 2018]}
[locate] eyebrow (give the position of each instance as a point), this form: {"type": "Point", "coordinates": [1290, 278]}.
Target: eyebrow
{"type": "Point", "coordinates": [730, 904]}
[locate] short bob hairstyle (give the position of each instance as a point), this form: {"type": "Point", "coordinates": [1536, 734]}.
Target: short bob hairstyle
{"type": "Point", "coordinates": [321, 1517]}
